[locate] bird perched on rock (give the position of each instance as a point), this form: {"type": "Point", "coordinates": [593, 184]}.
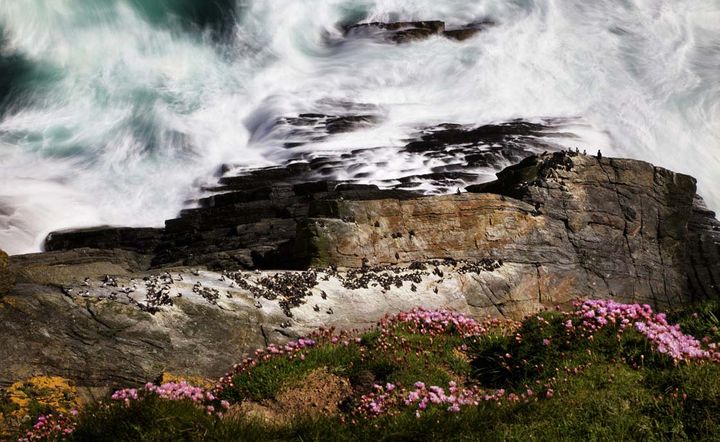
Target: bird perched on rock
{"type": "Point", "coordinates": [599, 155]}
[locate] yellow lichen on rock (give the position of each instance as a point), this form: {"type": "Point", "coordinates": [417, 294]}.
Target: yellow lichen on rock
{"type": "Point", "coordinates": [40, 392]}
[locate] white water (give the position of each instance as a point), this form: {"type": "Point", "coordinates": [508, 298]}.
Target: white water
{"type": "Point", "coordinates": [124, 114]}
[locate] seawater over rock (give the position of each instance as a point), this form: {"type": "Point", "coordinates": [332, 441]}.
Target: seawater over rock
{"type": "Point", "coordinates": [404, 32]}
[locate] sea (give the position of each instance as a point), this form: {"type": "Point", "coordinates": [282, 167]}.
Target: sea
{"type": "Point", "coordinates": [120, 112]}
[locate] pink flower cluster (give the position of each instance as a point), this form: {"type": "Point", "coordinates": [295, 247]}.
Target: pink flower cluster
{"type": "Point", "coordinates": [290, 350]}
{"type": "Point", "coordinates": [454, 399]}
{"type": "Point", "coordinates": [597, 314]}
{"type": "Point", "coordinates": [667, 339]}
{"type": "Point", "coordinates": [670, 340]}
{"type": "Point", "coordinates": [174, 391]}
{"type": "Point", "coordinates": [177, 391]}
{"type": "Point", "coordinates": [421, 397]}
{"type": "Point", "coordinates": [434, 322]}
{"type": "Point", "coordinates": [125, 395]}
{"type": "Point", "coordinates": [50, 428]}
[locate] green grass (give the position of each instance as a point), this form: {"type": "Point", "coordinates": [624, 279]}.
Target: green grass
{"type": "Point", "coordinates": [604, 388]}
{"type": "Point", "coordinates": [268, 378]}
{"type": "Point", "coordinates": [606, 402]}
{"type": "Point", "coordinates": [700, 321]}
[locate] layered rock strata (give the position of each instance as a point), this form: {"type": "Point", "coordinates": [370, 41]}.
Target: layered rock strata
{"type": "Point", "coordinates": [250, 218]}
{"type": "Point", "coordinates": [574, 225]}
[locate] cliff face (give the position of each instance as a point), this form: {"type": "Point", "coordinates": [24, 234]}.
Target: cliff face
{"type": "Point", "coordinates": [573, 225]}
{"type": "Point", "coordinates": [106, 307]}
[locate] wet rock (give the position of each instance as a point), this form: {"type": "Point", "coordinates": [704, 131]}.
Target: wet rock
{"type": "Point", "coordinates": [468, 31]}
{"type": "Point", "coordinates": [702, 259]}
{"type": "Point", "coordinates": [316, 127]}
{"type": "Point", "coordinates": [397, 32]}
{"type": "Point", "coordinates": [404, 32]}
{"type": "Point", "coordinates": [140, 240]}
{"type": "Point", "coordinates": [73, 266]}
{"type": "Point", "coordinates": [571, 223]}
{"type": "Point", "coordinates": [7, 278]}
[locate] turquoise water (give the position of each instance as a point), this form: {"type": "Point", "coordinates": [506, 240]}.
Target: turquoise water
{"type": "Point", "coordinates": [117, 111]}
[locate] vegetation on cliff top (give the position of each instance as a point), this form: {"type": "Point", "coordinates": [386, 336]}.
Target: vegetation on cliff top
{"type": "Point", "coordinates": [601, 371]}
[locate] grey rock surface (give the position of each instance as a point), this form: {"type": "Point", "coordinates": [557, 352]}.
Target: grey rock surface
{"type": "Point", "coordinates": [128, 329]}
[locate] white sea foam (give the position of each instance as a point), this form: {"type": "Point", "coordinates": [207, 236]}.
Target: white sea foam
{"type": "Point", "coordinates": [127, 114]}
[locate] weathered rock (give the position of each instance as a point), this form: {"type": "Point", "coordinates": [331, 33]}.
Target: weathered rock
{"type": "Point", "coordinates": [73, 266]}
{"type": "Point", "coordinates": [654, 212]}
{"type": "Point", "coordinates": [397, 32]}
{"type": "Point", "coordinates": [404, 32]}
{"type": "Point", "coordinates": [575, 226]}
{"type": "Point", "coordinates": [469, 31]}
{"type": "Point", "coordinates": [7, 278]}
{"type": "Point", "coordinates": [313, 127]}
{"type": "Point", "coordinates": [141, 240]}
{"type": "Point", "coordinates": [254, 227]}
{"type": "Point", "coordinates": [251, 217]}
{"type": "Point", "coordinates": [101, 331]}
{"type": "Point", "coordinates": [101, 342]}
{"type": "Point", "coordinates": [702, 260]}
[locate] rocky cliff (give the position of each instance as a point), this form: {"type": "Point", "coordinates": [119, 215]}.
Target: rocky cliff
{"type": "Point", "coordinates": [111, 306]}
{"type": "Point", "coordinates": [571, 225]}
